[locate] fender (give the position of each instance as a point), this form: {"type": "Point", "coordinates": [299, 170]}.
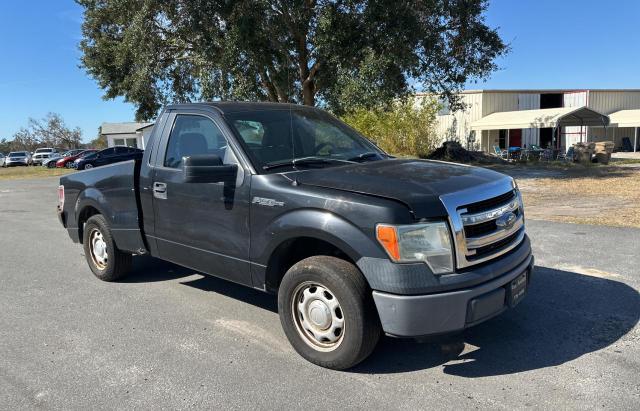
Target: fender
{"type": "Point", "coordinates": [91, 197]}
{"type": "Point", "coordinates": [124, 225]}
{"type": "Point", "coordinates": [314, 223]}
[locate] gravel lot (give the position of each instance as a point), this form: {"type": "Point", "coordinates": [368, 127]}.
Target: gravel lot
{"type": "Point", "coordinates": [171, 338]}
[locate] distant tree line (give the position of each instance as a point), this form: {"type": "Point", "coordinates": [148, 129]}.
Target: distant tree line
{"type": "Point", "coordinates": [51, 131]}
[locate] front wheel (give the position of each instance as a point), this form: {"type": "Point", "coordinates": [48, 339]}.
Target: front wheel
{"type": "Point", "coordinates": [106, 261]}
{"type": "Point", "coordinates": [87, 166]}
{"type": "Point", "coordinates": [327, 312]}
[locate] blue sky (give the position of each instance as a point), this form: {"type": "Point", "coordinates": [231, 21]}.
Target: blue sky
{"type": "Point", "coordinates": [555, 44]}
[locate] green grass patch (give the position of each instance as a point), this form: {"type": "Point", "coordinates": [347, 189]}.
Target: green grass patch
{"type": "Point", "coordinates": [14, 173]}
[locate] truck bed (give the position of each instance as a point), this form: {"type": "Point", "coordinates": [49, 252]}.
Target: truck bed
{"type": "Point", "coordinates": [112, 191]}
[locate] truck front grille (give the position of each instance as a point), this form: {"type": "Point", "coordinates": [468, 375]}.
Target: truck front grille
{"type": "Point", "coordinates": [486, 222]}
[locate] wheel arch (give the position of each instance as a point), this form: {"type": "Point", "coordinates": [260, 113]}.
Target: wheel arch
{"type": "Point", "coordinates": [86, 207]}
{"type": "Point", "coordinates": [305, 233]}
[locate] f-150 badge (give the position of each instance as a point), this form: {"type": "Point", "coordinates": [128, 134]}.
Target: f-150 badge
{"type": "Point", "coordinates": [269, 202]}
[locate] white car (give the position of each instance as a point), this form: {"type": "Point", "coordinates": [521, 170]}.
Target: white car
{"type": "Point", "coordinates": [18, 158]}
{"type": "Point", "coordinates": [42, 154]}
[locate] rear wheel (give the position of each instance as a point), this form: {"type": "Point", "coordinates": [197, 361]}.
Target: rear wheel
{"type": "Point", "coordinates": [51, 164]}
{"type": "Point", "coordinates": [327, 312]}
{"type": "Point", "coordinates": [106, 261]}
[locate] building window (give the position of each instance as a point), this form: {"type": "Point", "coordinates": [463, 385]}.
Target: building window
{"type": "Point", "coordinates": [129, 142]}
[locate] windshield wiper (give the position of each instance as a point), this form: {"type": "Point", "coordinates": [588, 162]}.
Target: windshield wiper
{"type": "Point", "coordinates": [364, 156]}
{"type": "Point", "coordinates": [304, 161]}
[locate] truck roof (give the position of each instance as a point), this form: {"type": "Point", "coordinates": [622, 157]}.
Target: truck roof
{"type": "Point", "coordinates": [236, 106]}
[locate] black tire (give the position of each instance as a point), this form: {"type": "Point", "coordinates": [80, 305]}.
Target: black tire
{"type": "Point", "coordinates": [361, 330]}
{"type": "Point", "coordinates": [51, 164]}
{"type": "Point", "coordinates": [118, 263]}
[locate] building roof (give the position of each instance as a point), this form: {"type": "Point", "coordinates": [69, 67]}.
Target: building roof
{"type": "Point", "coordinates": [626, 118]}
{"type": "Point", "coordinates": [122, 128]}
{"type": "Point", "coordinates": [145, 126]}
{"type": "Point", "coordinates": [543, 118]}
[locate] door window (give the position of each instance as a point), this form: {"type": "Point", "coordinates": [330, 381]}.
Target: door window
{"type": "Point", "coordinates": [194, 135]}
{"type": "Point", "coordinates": [108, 152]}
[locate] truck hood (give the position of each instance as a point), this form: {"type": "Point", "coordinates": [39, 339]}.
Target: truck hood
{"type": "Point", "coordinates": [416, 183]}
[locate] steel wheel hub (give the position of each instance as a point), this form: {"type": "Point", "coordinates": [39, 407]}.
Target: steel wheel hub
{"type": "Point", "coordinates": [98, 249]}
{"type": "Point", "coordinates": [318, 316]}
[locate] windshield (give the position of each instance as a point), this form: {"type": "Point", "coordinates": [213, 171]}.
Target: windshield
{"type": "Point", "coordinates": [18, 154]}
{"type": "Point", "coordinates": [87, 153]}
{"type": "Point", "coordinates": [43, 150]}
{"type": "Point", "coordinates": [272, 137]}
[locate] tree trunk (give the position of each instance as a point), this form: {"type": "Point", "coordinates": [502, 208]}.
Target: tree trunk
{"type": "Point", "coordinates": [308, 93]}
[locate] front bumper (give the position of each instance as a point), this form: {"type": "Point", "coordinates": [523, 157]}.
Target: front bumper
{"type": "Point", "coordinates": [17, 163]}
{"type": "Point", "coordinates": [447, 312]}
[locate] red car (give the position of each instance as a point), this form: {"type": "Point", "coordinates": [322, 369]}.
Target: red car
{"type": "Point", "coordinates": [68, 157]}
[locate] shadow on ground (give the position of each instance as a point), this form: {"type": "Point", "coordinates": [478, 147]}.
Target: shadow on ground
{"type": "Point", "coordinates": [146, 269]}
{"type": "Point", "coordinates": [566, 315]}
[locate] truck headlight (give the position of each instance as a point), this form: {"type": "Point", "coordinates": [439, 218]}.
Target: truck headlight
{"type": "Point", "coordinates": [424, 242]}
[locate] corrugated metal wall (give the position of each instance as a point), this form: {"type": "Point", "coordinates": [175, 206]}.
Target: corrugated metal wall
{"type": "Point", "coordinates": [607, 102]}
{"type": "Point", "coordinates": [494, 102]}
{"type": "Point", "coordinates": [574, 134]}
{"type": "Point", "coordinates": [614, 134]}
{"type": "Point", "coordinates": [458, 124]}
{"type": "Point", "coordinates": [529, 101]}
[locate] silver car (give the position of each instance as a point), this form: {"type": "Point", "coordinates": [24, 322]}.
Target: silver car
{"type": "Point", "coordinates": [2, 157]}
{"type": "Point", "coordinates": [18, 158]}
{"type": "Point", "coordinates": [51, 161]}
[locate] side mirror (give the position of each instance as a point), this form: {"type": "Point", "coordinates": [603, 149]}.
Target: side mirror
{"type": "Point", "coordinates": [207, 168]}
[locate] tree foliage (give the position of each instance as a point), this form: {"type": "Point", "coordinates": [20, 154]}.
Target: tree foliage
{"type": "Point", "coordinates": [337, 53]}
{"type": "Point", "coordinates": [406, 128]}
{"type": "Point", "coordinates": [50, 131]}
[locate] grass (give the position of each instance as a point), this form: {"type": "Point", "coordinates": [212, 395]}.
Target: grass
{"type": "Point", "coordinates": [14, 173]}
{"type": "Point", "coordinates": [598, 195]}
{"type": "Point", "coordinates": [617, 161]}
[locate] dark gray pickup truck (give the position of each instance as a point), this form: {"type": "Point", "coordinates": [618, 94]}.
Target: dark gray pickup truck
{"type": "Point", "coordinates": [289, 200]}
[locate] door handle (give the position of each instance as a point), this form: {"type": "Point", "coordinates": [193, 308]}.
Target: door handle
{"type": "Point", "coordinates": [160, 190]}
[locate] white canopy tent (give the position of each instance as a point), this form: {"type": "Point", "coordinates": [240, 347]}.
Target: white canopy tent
{"type": "Point", "coordinates": [542, 118]}
{"type": "Point", "coordinates": [627, 118]}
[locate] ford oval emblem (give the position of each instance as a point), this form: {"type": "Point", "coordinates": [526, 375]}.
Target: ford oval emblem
{"type": "Point", "coordinates": [506, 220]}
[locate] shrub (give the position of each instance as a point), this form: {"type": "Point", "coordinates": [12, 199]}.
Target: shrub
{"type": "Point", "coordinates": [407, 128]}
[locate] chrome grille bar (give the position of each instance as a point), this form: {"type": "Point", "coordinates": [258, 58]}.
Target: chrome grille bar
{"type": "Point", "coordinates": [466, 249]}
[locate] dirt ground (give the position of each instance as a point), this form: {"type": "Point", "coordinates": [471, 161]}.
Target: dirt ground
{"type": "Point", "coordinates": [602, 195]}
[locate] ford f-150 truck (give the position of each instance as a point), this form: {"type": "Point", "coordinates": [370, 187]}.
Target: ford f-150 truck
{"type": "Point", "coordinates": [289, 200]}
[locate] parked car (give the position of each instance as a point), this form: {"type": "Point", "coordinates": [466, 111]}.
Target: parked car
{"type": "Point", "coordinates": [2, 157]}
{"type": "Point", "coordinates": [74, 163]}
{"type": "Point", "coordinates": [42, 154]}
{"type": "Point", "coordinates": [70, 156]}
{"type": "Point", "coordinates": [107, 156]}
{"type": "Point", "coordinates": [18, 158]}
{"type": "Point", "coordinates": [51, 161]}
{"type": "Point", "coordinates": [289, 200]}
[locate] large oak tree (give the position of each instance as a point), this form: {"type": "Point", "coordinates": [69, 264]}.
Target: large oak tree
{"type": "Point", "coordinates": [339, 53]}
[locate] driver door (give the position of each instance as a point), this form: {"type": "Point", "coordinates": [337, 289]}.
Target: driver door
{"type": "Point", "coordinates": [204, 226]}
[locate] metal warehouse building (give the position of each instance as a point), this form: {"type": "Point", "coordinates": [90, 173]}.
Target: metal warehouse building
{"type": "Point", "coordinates": [547, 118]}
